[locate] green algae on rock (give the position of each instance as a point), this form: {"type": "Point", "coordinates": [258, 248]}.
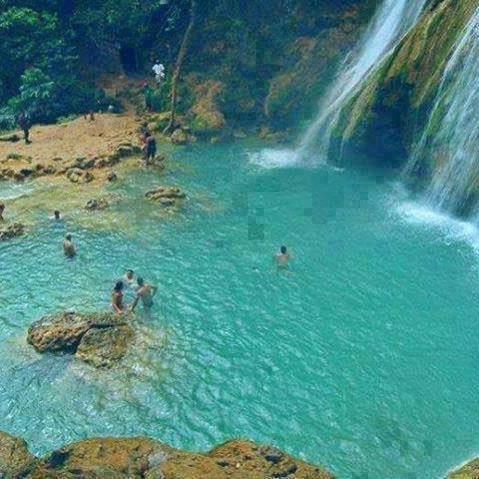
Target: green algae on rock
{"type": "Point", "coordinates": [385, 118]}
{"type": "Point", "coordinates": [139, 458]}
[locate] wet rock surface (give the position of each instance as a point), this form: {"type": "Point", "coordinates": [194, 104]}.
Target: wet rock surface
{"type": "Point", "coordinates": [11, 231]}
{"type": "Point", "coordinates": [469, 471]}
{"type": "Point", "coordinates": [137, 458]}
{"type": "Point", "coordinates": [97, 204]}
{"type": "Point", "coordinates": [98, 339]}
{"type": "Point", "coordinates": [15, 459]}
{"type": "Point", "coordinates": [166, 195]}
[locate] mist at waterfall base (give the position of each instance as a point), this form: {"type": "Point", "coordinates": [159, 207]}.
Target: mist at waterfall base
{"type": "Point", "coordinates": [360, 357]}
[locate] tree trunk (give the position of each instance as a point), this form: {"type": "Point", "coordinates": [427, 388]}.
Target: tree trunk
{"type": "Point", "coordinates": [179, 63]}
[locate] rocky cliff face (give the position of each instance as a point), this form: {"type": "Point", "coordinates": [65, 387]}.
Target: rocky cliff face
{"type": "Point", "coordinates": [271, 67]}
{"type": "Point", "coordinates": [142, 458]}
{"type": "Point", "coordinates": [389, 114]}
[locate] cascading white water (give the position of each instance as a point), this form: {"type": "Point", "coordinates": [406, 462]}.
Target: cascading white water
{"type": "Point", "coordinates": [389, 25]}
{"type": "Point", "coordinates": [393, 20]}
{"type": "Point", "coordinates": [450, 142]}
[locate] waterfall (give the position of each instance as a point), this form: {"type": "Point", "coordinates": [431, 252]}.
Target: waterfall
{"type": "Point", "coordinates": [392, 21]}
{"type": "Point", "coordinates": [450, 142]}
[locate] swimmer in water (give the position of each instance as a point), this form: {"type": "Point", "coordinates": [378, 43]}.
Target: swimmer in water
{"type": "Point", "coordinates": [145, 292]}
{"type": "Point", "coordinates": [283, 257]}
{"type": "Point", "coordinates": [117, 299]}
{"type": "Point", "coordinates": [68, 247]}
{"type": "Point", "coordinates": [57, 216]}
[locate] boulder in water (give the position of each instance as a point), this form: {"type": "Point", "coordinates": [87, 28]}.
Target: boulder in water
{"type": "Point", "coordinates": [11, 231]}
{"type": "Point", "coordinates": [96, 205]}
{"type": "Point", "coordinates": [103, 347]}
{"type": "Point", "coordinates": [98, 339]}
{"type": "Point", "coordinates": [77, 175]}
{"type": "Point", "coordinates": [166, 196]}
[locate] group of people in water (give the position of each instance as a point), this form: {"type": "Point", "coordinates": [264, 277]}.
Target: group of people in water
{"type": "Point", "coordinates": [143, 291]}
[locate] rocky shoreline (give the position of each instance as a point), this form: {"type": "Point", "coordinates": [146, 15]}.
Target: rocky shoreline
{"type": "Point", "coordinates": [143, 458]}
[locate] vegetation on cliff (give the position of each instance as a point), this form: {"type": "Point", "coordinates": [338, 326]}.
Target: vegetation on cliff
{"type": "Point", "coordinates": [254, 62]}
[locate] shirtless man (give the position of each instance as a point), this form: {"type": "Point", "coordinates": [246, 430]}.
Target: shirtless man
{"type": "Point", "coordinates": [2, 209]}
{"type": "Point", "coordinates": [69, 247]}
{"type": "Point", "coordinates": [145, 292]}
{"type": "Point", "coordinates": [283, 257]}
{"type": "Point", "coordinates": [117, 298]}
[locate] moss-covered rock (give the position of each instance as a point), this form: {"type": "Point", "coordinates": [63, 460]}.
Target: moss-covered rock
{"type": "Point", "coordinates": [386, 117]}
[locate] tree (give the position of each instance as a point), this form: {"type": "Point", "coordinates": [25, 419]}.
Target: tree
{"type": "Point", "coordinates": [179, 64]}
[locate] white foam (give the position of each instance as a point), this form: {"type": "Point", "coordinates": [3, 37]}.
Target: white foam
{"type": "Point", "coordinates": [270, 158]}
{"type": "Point", "coordinates": [451, 228]}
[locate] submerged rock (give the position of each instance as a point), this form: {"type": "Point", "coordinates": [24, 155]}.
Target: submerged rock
{"type": "Point", "coordinates": [98, 339]}
{"type": "Point", "coordinates": [77, 175]}
{"type": "Point", "coordinates": [166, 196]}
{"type": "Point", "coordinates": [180, 137]}
{"type": "Point", "coordinates": [143, 458]}
{"type": "Point", "coordinates": [11, 231]}
{"type": "Point", "coordinates": [96, 205]}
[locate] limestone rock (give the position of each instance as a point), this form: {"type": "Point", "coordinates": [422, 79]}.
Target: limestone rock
{"type": "Point", "coordinates": [98, 339]}
{"type": "Point", "coordinates": [77, 175]}
{"type": "Point", "coordinates": [15, 459]}
{"type": "Point", "coordinates": [142, 458]}
{"type": "Point", "coordinates": [103, 347]}
{"type": "Point", "coordinates": [112, 176]}
{"type": "Point", "coordinates": [61, 332]}
{"type": "Point", "coordinates": [469, 471]}
{"type": "Point", "coordinates": [180, 137]}
{"type": "Point", "coordinates": [97, 205]}
{"type": "Point", "coordinates": [166, 196]}
{"type": "Point", "coordinates": [11, 231]}
{"type": "Point", "coordinates": [104, 458]}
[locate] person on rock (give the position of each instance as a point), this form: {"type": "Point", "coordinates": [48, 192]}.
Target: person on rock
{"type": "Point", "coordinates": [145, 292]}
{"type": "Point", "coordinates": [159, 71]}
{"type": "Point", "coordinates": [25, 124]}
{"type": "Point", "coordinates": [117, 299]}
{"type": "Point", "coordinates": [69, 247]}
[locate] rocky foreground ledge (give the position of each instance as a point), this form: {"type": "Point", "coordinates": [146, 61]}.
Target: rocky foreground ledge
{"type": "Point", "coordinates": [142, 458]}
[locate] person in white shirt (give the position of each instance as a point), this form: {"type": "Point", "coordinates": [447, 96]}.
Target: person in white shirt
{"type": "Point", "coordinates": [159, 71]}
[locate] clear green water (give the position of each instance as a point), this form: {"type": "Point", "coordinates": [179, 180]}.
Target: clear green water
{"type": "Point", "coordinates": [363, 357]}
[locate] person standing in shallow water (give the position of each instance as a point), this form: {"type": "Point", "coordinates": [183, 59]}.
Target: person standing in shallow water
{"type": "Point", "coordinates": [150, 148]}
{"type": "Point", "coordinates": [145, 292]}
{"type": "Point", "coordinates": [117, 299]}
{"type": "Point", "coordinates": [2, 209]}
{"type": "Point", "coordinates": [69, 247]}
{"type": "Point", "coordinates": [283, 257]}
